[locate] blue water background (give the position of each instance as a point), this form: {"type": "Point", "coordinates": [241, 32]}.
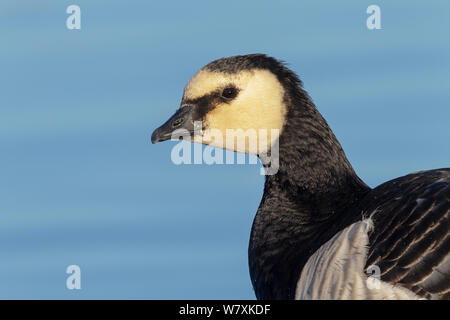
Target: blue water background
{"type": "Point", "coordinates": [80, 182]}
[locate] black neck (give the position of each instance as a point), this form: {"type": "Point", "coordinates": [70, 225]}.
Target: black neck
{"type": "Point", "coordinates": [304, 204]}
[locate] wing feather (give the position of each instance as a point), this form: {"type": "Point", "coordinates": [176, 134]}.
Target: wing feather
{"type": "Point", "coordinates": [410, 241]}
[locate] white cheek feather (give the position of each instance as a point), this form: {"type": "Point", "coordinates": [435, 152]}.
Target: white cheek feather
{"type": "Point", "coordinates": [336, 270]}
{"type": "Point", "coordinates": [257, 113]}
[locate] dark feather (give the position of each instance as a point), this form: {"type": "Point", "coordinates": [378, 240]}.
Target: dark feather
{"type": "Point", "coordinates": [410, 238]}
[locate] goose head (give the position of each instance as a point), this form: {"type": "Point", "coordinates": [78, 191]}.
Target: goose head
{"type": "Point", "coordinates": [237, 103]}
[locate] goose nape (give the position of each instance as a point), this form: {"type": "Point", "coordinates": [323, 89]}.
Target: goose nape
{"type": "Point", "coordinates": [320, 232]}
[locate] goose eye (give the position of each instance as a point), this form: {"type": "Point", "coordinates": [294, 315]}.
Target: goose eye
{"type": "Point", "coordinates": [229, 92]}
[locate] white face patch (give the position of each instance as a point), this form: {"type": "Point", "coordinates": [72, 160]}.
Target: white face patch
{"type": "Point", "coordinates": [249, 123]}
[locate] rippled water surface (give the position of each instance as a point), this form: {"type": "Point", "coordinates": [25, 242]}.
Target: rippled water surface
{"type": "Point", "coordinates": [80, 182]}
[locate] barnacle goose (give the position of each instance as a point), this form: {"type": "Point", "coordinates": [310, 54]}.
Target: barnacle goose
{"type": "Point", "coordinates": [320, 232]}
